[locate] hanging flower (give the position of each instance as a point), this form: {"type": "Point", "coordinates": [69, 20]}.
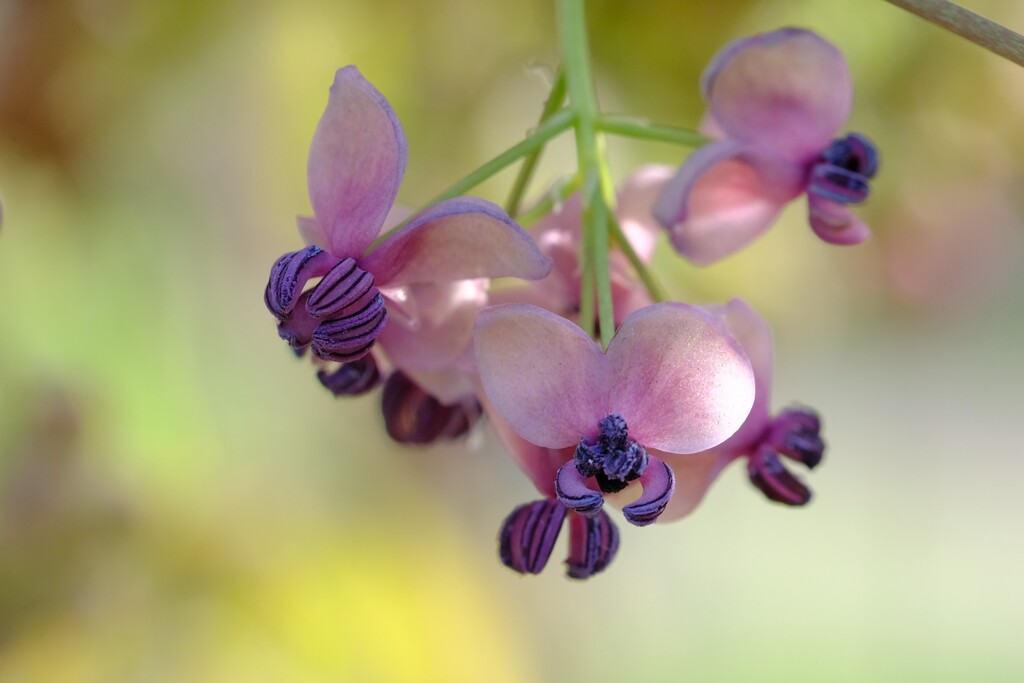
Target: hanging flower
{"type": "Point", "coordinates": [671, 382]}
{"type": "Point", "coordinates": [776, 103]}
{"type": "Point", "coordinates": [356, 162]}
{"type": "Point", "coordinates": [764, 440]}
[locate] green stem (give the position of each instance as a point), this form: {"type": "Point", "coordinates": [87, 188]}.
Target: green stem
{"type": "Point", "coordinates": [554, 101]}
{"type": "Point", "coordinates": [555, 125]}
{"type": "Point", "coordinates": [552, 199]}
{"type": "Point", "coordinates": [583, 103]}
{"type": "Point", "coordinates": [988, 34]}
{"type": "Point", "coordinates": [640, 129]}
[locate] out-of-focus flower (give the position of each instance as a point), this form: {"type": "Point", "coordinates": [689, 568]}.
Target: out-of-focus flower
{"type": "Point", "coordinates": [762, 439]}
{"type": "Point", "coordinates": [776, 102]}
{"type": "Point", "coordinates": [558, 236]}
{"type": "Point", "coordinates": [356, 162]}
{"type": "Point", "coordinates": [672, 381]}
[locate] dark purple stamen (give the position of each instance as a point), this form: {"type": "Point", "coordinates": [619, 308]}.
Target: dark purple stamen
{"type": "Point", "coordinates": [615, 460]}
{"type": "Point", "coordinates": [352, 379]}
{"type": "Point", "coordinates": [297, 326]}
{"type": "Point", "coordinates": [288, 276]}
{"type": "Point", "coordinates": [768, 474]}
{"type": "Point", "coordinates": [593, 542]}
{"type": "Point", "coordinates": [796, 434]}
{"type": "Point", "coordinates": [528, 535]}
{"type": "Point", "coordinates": [842, 171]}
{"type": "Point", "coordinates": [350, 337]}
{"type": "Point", "coordinates": [412, 416]}
{"type": "Point", "coordinates": [340, 290]}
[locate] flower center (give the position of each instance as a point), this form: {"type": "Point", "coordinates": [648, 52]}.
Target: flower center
{"type": "Point", "coordinates": [842, 171]}
{"type": "Point", "coordinates": [613, 459]}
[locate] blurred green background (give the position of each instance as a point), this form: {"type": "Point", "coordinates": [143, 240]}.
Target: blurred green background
{"type": "Point", "coordinates": [181, 501]}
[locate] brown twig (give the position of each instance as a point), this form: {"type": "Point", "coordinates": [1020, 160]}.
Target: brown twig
{"type": "Point", "coordinates": [974, 27]}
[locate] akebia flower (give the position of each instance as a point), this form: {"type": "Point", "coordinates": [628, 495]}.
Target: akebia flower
{"type": "Point", "coordinates": [356, 162]}
{"type": "Point", "coordinates": [763, 440]}
{"type": "Point", "coordinates": [671, 382]}
{"type": "Point", "coordinates": [777, 103]}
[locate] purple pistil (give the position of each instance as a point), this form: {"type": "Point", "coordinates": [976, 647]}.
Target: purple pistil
{"type": "Point", "coordinates": [615, 459]}
{"type": "Point", "coordinates": [842, 171]}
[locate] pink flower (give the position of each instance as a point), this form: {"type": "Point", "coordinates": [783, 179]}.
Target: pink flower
{"type": "Point", "coordinates": [558, 236]}
{"type": "Point", "coordinates": [356, 162]}
{"type": "Point", "coordinates": [776, 101]}
{"type": "Point", "coordinates": [762, 439]}
{"type": "Point", "coordinates": [671, 382]}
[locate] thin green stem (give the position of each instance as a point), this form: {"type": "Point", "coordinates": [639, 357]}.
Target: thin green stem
{"type": "Point", "coordinates": [988, 34]}
{"type": "Point", "coordinates": [640, 129]}
{"type": "Point", "coordinates": [643, 272]}
{"type": "Point", "coordinates": [554, 101]}
{"type": "Point", "coordinates": [552, 199]}
{"type": "Point", "coordinates": [556, 124]}
{"type": "Point", "coordinates": [583, 103]}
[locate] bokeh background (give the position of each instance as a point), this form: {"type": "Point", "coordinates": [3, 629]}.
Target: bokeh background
{"type": "Point", "coordinates": [181, 501]}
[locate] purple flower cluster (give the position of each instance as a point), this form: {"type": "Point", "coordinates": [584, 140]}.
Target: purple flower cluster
{"type": "Point", "coordinates": [681, 390]}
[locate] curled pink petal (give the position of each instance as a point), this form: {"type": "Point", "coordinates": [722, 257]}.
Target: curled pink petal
{"type": "Point", "coordinates": [835, 223]}
{"type": "Point", "coordinates": [542, 373]}
{"type": "Point", "coordinates": [789, 90]}
{"type": "Point", "coordinates": [458, 239]}
{"type": "Point", "coordinates": [356, 162]}
{"type": "Point", "coordinates": [575, 493]}
{"type": "Point", "coordinates": [724, 195]}
{"type": "Point", "coordinates": [680, 381]}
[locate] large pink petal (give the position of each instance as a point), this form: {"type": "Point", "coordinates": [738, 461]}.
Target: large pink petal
{"type": "Point", "coordinates": [542, 373]}
{"type": "Point", "coordinates": [789, 90]}
{"type": "Point", "coordinates": [356, 162]}
{"type": "Point", "coordinates": [540, 464]}
{"type": "Point", "coordinates": [754, 336]}
{"type": "Point", "coordinates": [435, 325]}
{"type": "Point", "coordinates": [459, 239]}
{"type": "Point", "coordinates": [724, 195]}
{"type": "Point", "coordinates": [680, 381]}
{"type": "Point", "coordinates": [835, 223]}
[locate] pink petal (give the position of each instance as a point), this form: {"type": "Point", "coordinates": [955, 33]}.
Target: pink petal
{"type": "Point", "coordinates": [755, 338]}
{"type": "Point", "coordinates": [542, 374]}
{"type": "Point", "coordinates": [724, 196]}
{"type": "Point", "coordinates": [540, 464]}
{"type": "Point", "coordinates": [311, 231]}
{"type": "Point", "coordinates": [356, 162]}
{"type": "Point", "coordinates": [459, 239]}
{"type": "Point", "coordinates": [440, 327]}
{"type": "Point", "coordinates": [695, 473]}
{"type": "Point", "coordinates": [789, 89]}
{"type": "Point", "coordinates": [835, 223]}
{"type": "Point", "coordinates": [680, 381]}
{"type": "Point", "coordinates": [636, 197]}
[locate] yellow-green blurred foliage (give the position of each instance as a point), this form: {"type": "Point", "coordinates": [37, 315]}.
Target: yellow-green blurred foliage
{"type": "Point", "coordinates": [180, 500]}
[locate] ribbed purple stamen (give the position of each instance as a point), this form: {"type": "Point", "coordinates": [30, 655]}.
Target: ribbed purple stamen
{"type": "Point", "coordinates": [795, 433]}
{"type": "Point", "coordinates": [288, 276]}
{"type": "Point", "coordinates": [593, 542]}
{"type": "Point", "coordinates": [767, 473]}
{"type": "Point", "coordinates": [339, 290]}
{"type": "Point", "coordinates": [350, 337]}
{"type": "Point", "coordinates": [528, 535]}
